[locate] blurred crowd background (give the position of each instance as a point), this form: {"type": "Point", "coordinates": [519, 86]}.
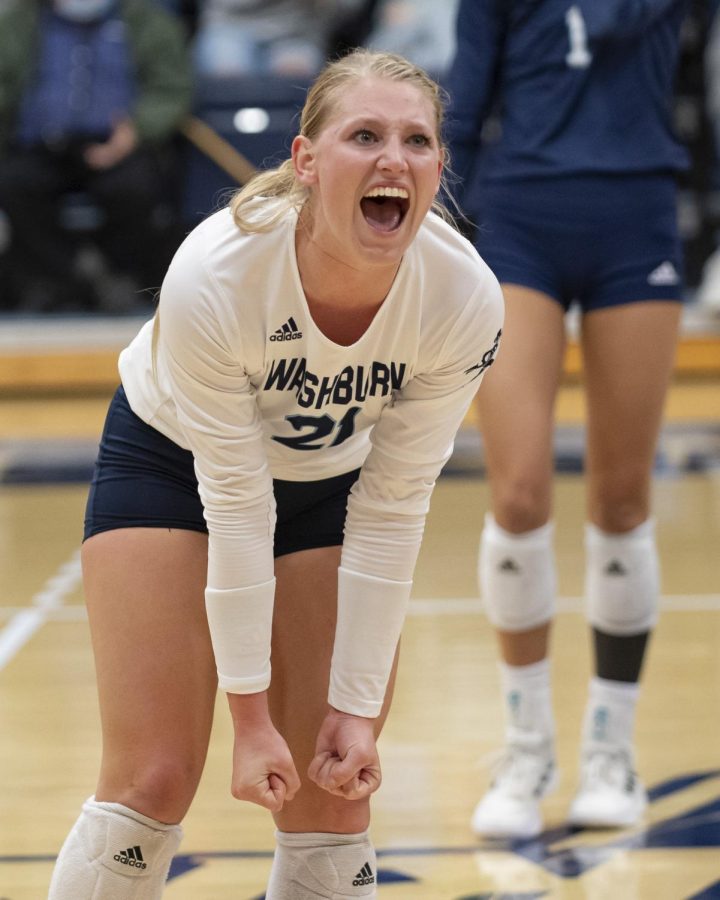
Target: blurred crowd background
{"type": "Point", "coordinates": [108, 160]}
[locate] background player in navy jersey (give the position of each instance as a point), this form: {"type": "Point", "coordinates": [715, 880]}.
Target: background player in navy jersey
{"type": "Point", "coordinates": [575, 202]}
{"type": "Point", "coordinates": [266, 468]}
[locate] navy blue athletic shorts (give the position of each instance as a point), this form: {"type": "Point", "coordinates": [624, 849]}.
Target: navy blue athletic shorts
{"type": "Point", "coordinates": [598, 240]}
{"type": "Point", "coordinates": [144, 480]}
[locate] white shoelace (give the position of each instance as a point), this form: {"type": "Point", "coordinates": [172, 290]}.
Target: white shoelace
{"type": "Point", "coordinates": [522, 772]}
{"type": "Point", "coordinates": [608, 768]}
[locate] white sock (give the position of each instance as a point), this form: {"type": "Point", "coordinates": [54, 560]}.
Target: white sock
{"type": "Point", "coordinates": [528, 702]}
{"type": "Point", "coordinates": [114, 853]}
{"type": "Point", "coordinates": [310, 865]}
{"type": "Point", "coordinates": [609, 719]}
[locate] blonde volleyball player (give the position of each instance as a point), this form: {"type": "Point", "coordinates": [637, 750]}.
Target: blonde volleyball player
{"type": "Point", "coordinates": [263, 480]}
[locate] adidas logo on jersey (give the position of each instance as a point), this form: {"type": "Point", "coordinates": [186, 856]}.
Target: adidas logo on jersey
{"type": "Point", "coordinates": [364, 876]}
{"type": "Point", "coordinates": [131, 857]}
{"type": "Point", "coordinates": [665, 274]}
{"type": "Point", "coordinates": [615, 567]}
{"type": "Point", "coordinates": [509, 565]}
{"type": "Point", "coordinates": [288, 332]}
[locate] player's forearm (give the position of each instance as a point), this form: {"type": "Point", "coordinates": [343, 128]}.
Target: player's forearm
{"type": "Point", "coordinates": [248, 710]}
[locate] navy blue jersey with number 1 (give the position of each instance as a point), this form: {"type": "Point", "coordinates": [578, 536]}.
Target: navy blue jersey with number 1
{"type": "Point", "coordinates": [579, 87]}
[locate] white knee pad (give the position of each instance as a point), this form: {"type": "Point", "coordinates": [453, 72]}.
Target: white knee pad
{"type": "Point", "coordinates": [622, 580]}
{"type": "Point", "coordinates": [307, 866]}
{"type": "Point", "coordinates": [114, 853]}
{"type": "Point", "coordinates": [517, 576]}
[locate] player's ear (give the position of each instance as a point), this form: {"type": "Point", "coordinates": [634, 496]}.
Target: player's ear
{"type": "Point", "coordinates": [303, 157]}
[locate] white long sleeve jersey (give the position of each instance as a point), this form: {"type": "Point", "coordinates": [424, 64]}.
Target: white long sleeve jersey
{"type": "Point", "coordinates": [246, 381]}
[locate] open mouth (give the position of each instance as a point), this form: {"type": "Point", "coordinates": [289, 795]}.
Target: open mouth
{"type": "Point", "coordinates": [385, 208]}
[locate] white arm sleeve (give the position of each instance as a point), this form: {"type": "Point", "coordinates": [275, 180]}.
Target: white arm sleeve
{"type": "Point", "coordinates": [370, 616]}
{"type": "Point", "coordinates": [200, 353]}
{"type": "Point", "coordinates": [387, 507]}
{"type": "Point", "coordinates": [240, 625]}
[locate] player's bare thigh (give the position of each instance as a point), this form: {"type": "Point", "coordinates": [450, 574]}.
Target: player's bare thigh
{"type": "Point", "coordinates": [628, 355]}
{"type": "Point", "coordinates": [516, 406]}
{"type": "Point", "coordinates": [156, 678]}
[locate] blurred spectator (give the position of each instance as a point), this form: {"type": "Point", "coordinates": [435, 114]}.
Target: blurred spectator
{"type": "Point", "coordinates": [185, 10]}
{"type": "Point", "coordinates": [352, 28]}
{"type": "Point", "coordinates": [423, 31]}
{"type": "Point", "coordinates": [91, 94]}
{"type": "Point", "coordinates": [271, 37]}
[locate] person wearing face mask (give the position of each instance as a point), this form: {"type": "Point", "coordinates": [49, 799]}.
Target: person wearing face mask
{"type": "Point", "coordinates": [284, 38]}
{"type": "Point", "coordinates": [422, 30]}
{"type": "Point", "coordinates": [91, 94]}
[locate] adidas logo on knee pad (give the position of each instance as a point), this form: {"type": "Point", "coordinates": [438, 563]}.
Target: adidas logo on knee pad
{"type": "Point", "coordinates": [364, 876]}
{"type": "Point", "coordinates": [131, 857]}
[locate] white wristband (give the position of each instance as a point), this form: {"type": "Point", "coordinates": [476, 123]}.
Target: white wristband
{"type": "Point", "coordinates": [370, 616]}
{"type": "Point", "coordinates": [240, 623]}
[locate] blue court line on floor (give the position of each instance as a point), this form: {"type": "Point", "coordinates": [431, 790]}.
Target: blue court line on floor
{"type": "Point", "coordinates": [712, 892]}
{"type": "Point", "coordinates": [698, 826]}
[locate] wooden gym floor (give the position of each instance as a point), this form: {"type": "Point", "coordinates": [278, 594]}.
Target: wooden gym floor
{"type": "Point", "coordinates": [446, 723]}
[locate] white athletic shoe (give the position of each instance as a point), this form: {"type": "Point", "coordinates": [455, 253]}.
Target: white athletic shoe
{"type": "Point", "coordinates": [511, 806]}
{"type": "Point", "coordinates": [610, 795]}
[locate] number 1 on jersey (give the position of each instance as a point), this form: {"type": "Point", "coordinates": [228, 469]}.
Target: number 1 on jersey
{"type": "Point", "coordinates": [579, 56]}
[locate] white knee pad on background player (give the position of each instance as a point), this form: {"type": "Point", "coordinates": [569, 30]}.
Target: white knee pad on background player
{"type": "Point", "coordinates": [622, 580]}
{"type": "Point", "coordinates": [310, 865]}
{"type": "Point", "coordinates": [517, 576]}
{"type": "Point", "coordinates": [114, 853]}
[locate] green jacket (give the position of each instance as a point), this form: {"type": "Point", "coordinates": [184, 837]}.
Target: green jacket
{"type": "Point", "coordinates": [159, 49]}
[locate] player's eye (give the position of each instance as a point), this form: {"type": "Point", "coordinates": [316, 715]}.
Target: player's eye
{"type": "Point", "coordinates": [364, 136]}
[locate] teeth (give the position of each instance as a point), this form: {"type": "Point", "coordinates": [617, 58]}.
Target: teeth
{"type": "Point", "coordinates": [388, 192]}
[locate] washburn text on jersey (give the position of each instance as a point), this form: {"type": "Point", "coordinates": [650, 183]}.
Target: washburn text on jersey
{"type": "Point", "coordinates": [353, 384]}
